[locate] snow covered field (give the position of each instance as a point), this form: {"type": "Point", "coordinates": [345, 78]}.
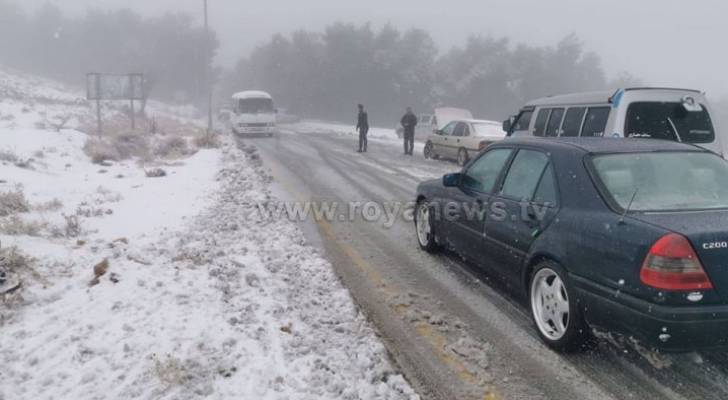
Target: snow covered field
{"type": "Point", "coordinates": [166, 287]}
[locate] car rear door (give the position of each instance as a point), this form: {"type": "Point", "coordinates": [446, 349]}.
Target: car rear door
{"type": "Point", "coordinates": [523, 206]}
{"type": "Point", "coordinates": [462, 133]}
{"type": "Point", "coordinates": [452, 144]}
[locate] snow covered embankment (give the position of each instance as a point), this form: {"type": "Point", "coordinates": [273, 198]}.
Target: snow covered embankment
{"type": "Point", "coordinates": [226, 307]}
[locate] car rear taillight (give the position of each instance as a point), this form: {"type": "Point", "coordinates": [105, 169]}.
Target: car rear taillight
{"type": "Point", "coordinates": [483, 144]}
{"type": "Point", "coordinates": [672, 264]}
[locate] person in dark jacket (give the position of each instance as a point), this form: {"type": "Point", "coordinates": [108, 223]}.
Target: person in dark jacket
{"type": "Point", "coordinates": [362, 125]}
{"type": "Point", "coordinates": [409, 122]}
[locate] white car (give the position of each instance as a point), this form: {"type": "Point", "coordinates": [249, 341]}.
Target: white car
{"type": "Point", "coordinates": [462, 139]}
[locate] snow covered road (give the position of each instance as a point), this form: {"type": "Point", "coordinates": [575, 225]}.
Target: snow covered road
{"type": "Point", "coordinates": [456, 331]}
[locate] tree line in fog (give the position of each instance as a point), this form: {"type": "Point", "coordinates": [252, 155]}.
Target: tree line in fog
{"type": "Point", "coordinates": [169, 50]}
{"type": "Point", "coordinates": [324, 75]}
{"type": "Point", "coordinates": [313, 74]}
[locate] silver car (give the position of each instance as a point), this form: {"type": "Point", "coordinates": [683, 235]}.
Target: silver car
{"type": "Point", "coordinates": [462, 139]}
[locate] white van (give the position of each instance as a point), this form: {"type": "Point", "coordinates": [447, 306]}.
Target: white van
{"type": "Point", "coordinates": [255, 114]}
{"type": "Point", "coordinates": [682, 115]}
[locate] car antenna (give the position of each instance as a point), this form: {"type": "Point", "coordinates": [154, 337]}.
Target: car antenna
{"type": "Point", "coordinates": [629, 206]}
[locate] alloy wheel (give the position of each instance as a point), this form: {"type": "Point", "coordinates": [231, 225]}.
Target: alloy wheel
{"type": "Point", "coordinates": [550, 304]}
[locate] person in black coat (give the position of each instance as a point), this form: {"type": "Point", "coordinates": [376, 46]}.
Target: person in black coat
{"type": "Point", "coordinates": [409, 122]}
{"type": "Point", "coordinates": [362, 125]}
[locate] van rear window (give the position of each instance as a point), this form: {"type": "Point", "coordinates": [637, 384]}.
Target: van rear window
{"type": "Point", "coordinates": [669, 121]}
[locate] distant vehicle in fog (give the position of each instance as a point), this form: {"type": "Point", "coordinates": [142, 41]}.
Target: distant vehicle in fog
{"type": "Point", "coordinates": [462, 139]}
{"type": "Point", "coordinates": [285, 117]}
{"type": "Point", "coordinates": [681, 115]}
{"type": "Point", "coordinates": [255, 114]}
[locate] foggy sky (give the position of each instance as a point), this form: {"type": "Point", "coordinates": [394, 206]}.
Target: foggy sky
{"type": "Point", "coordinates": [663, 42]}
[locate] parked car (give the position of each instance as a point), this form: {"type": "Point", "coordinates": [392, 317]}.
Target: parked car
{"type": "Point", "coordinates": [626, 235]}
{"type": "Point", "coordinates": [462, 139]}
{"type": "Point", "coordinates": [255, 114]}
{"type": "Point", "coordinates": [681, 115]}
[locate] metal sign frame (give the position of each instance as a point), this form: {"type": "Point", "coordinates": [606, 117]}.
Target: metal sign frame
{"type": "Point", "coordinates": [114, 87]}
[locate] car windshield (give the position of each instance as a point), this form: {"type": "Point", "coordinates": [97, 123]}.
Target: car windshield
{"type": "Point", "coordinates": [669, 121]}
{"type": "Point", "coordinates": [256, 105]}
{"type": "Point", "coordinates": [664, 181]}
{"type": "Point", "coordinates": [484, 129]}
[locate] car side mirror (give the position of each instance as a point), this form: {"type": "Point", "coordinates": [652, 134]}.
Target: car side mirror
{"type": "Point", "coordinates": [508, 124]}
{"type": "Point", "coordinates": [451, 180]}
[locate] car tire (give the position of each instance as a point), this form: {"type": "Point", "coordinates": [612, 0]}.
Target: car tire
{"type": "Point", "coordinates": [555, 310]}
{"type": "Point", "coordinates": [423, 227]}
{"type": "Point", "coordinates": [428, 151]}
{"type": "Point", "coordinates": [463, 157]}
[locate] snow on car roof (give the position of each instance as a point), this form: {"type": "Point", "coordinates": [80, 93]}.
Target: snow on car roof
{"type": "Point", "coordinates": [252, 94]}
{"type": "Point", "coordinates": [600, 97]}
{"type": "Point", "coordinates": [483, 121]}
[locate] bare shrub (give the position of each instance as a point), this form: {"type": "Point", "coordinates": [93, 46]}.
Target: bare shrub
{"type": "Point", "coordinates": [72, 228]}
{"type": "Point", "coordinates": [117, 148]}
{"type": "Point", "coordinates": [16, 226]}
{"type": "Point", "coordinates": [130, 145]}
{"type": "Point", "coordinates": [100, 151]}
{"type": "Point", "coordinates": [13, 202]}
{"type": "Point", "coordinates": [53, 205]}
{"type": "Point", "coordinates": [14, 260]}
{"type": "Point", "coordinates": [207, 142]}
{"type": "Point", "coordinates": [59, 122]}
{"type": "Point", "coordinates": [8, 156]}
{"type": "Point", "coordinates": [173, 146]}
{"type": "Point", "coordinates": [155, 173]}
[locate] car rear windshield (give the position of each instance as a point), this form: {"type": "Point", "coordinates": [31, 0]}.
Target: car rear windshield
{"type": "Point", "coordinates": [669, 121]}
{"type": "Point", "coordinates": [488, 130]}
{"type": "Point", "coordinates": [664, 181]}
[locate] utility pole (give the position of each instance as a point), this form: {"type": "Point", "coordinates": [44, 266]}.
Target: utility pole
{"type": "Point", "coordinates": [208, 73]}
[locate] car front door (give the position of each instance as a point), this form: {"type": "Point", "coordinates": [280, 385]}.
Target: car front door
{"type": "Point", "coordinates": [523, 207]}
{"type": "Point", "coordinates": [468, 206]}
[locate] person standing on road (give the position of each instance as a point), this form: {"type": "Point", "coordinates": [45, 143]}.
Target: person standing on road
{"type": "Point", "coordinates": [409, 122]}
{"type": "Point", "coordinates": [362, 125]}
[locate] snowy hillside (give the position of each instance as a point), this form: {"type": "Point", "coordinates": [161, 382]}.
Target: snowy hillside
{"type": "Point", "coordinates": [132, 266]}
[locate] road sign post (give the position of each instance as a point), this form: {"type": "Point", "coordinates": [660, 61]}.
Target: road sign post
{"type": "Point", "coordinates": [114, 87]}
